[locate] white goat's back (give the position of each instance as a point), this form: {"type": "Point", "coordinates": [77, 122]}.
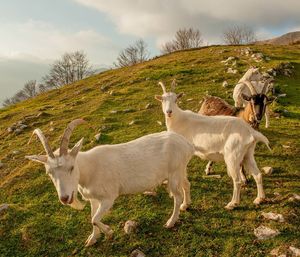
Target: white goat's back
{"type": "Point", "coordinates": [138, 165]}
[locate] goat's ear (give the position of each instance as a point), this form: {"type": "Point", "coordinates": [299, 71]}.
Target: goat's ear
{"type": "Point", "coordinates": [37, 158]}
{"type": "Point", "coordinates": [179, 95]}
{"type": "Point", "coordinates": [270, 99]}
{"type": "Point", "coordinates": [245, 97]}
{"type": "Point", "coordinates": [158, 97]}
{"type": "Point", "coordinates": [75, 150]}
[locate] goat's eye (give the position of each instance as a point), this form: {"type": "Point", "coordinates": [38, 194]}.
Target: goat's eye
{"type": "Point", "coordinates": [72, 168]}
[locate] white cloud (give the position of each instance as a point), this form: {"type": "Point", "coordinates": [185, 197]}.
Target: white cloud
{"type": "Point", "coordinates": [41, 42]}
{"type": "Point", "coordinates": [161, 18]}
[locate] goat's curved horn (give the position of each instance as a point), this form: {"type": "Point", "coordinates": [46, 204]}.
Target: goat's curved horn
{"type": "Point", "coordinates": [162, 86]}
{"type": "Point", "coordinates": [44, 142]}
{"type": "Point", "coordinates": [266, 84]}
{"type": "Point", "coordinates": [250, 86]}
{"type": "Point", "coordinates": [173, 85]}
{"type": "Point", "coordinates": [63, 149]}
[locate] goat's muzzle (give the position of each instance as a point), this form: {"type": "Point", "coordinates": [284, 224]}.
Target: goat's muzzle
{"type": "Point", "coordinates": [67, 199]}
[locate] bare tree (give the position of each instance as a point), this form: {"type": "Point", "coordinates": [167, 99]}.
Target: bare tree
{"type": "Point", "coordinates": [133, 54]}
{"type": "Point", "coordinates": [30, 89]}
{"type": "Point", "coordinates": [70, 68]}
{"type": "Point", "coordinates": [238, 35]}
{"type": "Point", "coordinates": [184, 39]}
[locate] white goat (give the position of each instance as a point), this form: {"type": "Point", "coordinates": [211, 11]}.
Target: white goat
{"type": "Point", "coordinates": [217, 138]}
{"type": "Point", "coordinates": [105, 172]}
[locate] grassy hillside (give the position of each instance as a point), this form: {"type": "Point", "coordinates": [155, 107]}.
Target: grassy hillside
{"type": "Point", "coordinates": [36, 224]}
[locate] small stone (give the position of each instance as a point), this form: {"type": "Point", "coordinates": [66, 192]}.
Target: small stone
{"type": "Point", "coordinates": [268, 58]}
{"type": "Point", "coordinates": [18, 131]}
{"type": "Point", "coordinates": [225, 84]}
{"type": "Point", "coordinates": [295, 251]}
{"type": "Point", "coordinates": [148, 106]}
{"type": "Point", "coordinates": [212, 176]}
{"type": "Point", "coordinates": [267, 170]}
{"type": "Point", "coordinates": [234, 63]}
{"type": "Point", "coordinates": [263, 232]}
{"type": "Point", "coordinates": [273, 216]}
{"type": "Point", "coordinates": [230, 70]}
{"type": "Point", "coordinates": [51, 129]}
{"type": "Point", "coordinates": [111, 92]}
{"type": "Point", "coordinates": [159, 122]}
{"type": "Point", "coordinates": [295, 197]}
{"type": "Point", "coordinates": [190, 99]}
{"type": "Point", "coordinates": [286, 146]}
{"type": "Point", "coordinates": [15, 152]}
{"type": "Point", "coordinates": [113, 112]}
{"type": "Point", "coordinates": [10, 130]}
{"type": "Point", "coordinates": [51, 123]}
{"type": "Point", "coordinates": [97, 137]}
{"type": "Point", "coordinates": [281, 95]}
{"type": "Point", "coordinates": [137, 253]}
{"type": "Point", "coordinates": [132, 122]}
{"type": "Point", "coordinates": [130, 226]}
{"type": "Point", "coordinates": [152, 193]}
{"type": "Point", "coordinates": [3, 207]}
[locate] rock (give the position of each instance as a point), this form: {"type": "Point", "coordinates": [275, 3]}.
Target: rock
{"type": "Point", "coordinates": [113, 112]}
{"type": "Point", "coordinates": [51, 129]}
{"type": "Point", "coordinates": [128, 110]}
{"type": "Point", "coordinates": [18, 131]}
{"type": "Point", "coordinates": [275, 251]}
{"type": "Point", "coordinates": [159, 122]}
{"type": "Point", "coordinates": [137, 253]}
{"type": "Point", "coordinates": [225, 84]}
{"type": "Point", "coordinates": [263, 232]}
{"type": "Point", "coordinates": [130, 226]}
{"type": "Point", "coordinates": [10, 130]}
{"type": "Point", "coordinates": [286, 146]}
{"type": "Point", "coordinates": [295, 251]}
{"type": "Point", "coordinates": [273, 216]}
{"type": "Point", "coordinates": [152, 193]}
{"type": "Point", "coordinates": [190, 99]}
{"type": "Point", "coordinates": [51, 123]}
{"type": "Point", "coordinates": [267, 170]}
{"type": "Point", "coordinates": [3, 207]}
{"type": "Point", "coordinates": [230, 70]}
{"type": "Point", "coordinates": [229, 59]}
{"type": "Point", "coordinates": [281, 95]}
{"type": "Point", "coordinates": [211, 176]}
{"type": "Point", "coordinates": [132, 122]}
{"type": "Point", "coordinates": [295, 197]}
{"type": "Point", "coordinates": [97, 136]}
{"type": "Point", "coordinates": [148, 106]}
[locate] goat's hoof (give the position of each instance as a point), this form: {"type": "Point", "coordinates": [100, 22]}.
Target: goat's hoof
{"type": "Point", "coordinates": [183, 207]}
{"type": "Point", "coordinates": [258, 200]}
{"type": "Point", "coordinates": [109, 233]}
{"type": "Point", "coordinates": [90, 241]}
{"type": "Point", "coordinates": [169, 224]}
{"type": "Point", "coordinates": [231, 206]}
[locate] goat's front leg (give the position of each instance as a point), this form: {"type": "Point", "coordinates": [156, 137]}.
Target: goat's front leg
{"type": "Point", "coordinates": [208, 168]}
{"type": "Point", "coordinates": [102, 208]}
{"type": "Point", "coordinates": [267, 116]}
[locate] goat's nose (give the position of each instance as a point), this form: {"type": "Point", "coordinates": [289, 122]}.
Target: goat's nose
{"type": "Point", "coordinates": [169, 111]}
{"type": "Point", "coordinates": [64, 199]}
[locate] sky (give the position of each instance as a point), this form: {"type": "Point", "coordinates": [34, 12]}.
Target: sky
{"type": "Point", "coordinates": [34, 33]}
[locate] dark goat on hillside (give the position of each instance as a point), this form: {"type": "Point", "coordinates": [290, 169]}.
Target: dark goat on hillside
{"type": "Point", "coordinates": [252, 113]}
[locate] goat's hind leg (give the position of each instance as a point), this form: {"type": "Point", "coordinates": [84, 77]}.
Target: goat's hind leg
{"type": "Point", "coordinates": [177, 191]}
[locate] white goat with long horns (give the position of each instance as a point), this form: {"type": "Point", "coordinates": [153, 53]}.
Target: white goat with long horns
{"type": "Point", "coordinates": [105, 172]}
{"type": "Point", "coordinates": [217, 138]}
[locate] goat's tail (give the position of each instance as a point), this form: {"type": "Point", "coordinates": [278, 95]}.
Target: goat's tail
{"type": "Point", "coordinates": [259, 137]}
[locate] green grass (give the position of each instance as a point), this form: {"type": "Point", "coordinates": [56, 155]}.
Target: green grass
{"type": "Point", "coordinates": [36, 224]}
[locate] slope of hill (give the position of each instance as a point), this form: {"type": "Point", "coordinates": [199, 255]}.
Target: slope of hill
{"type": "Point", "coordinates": [286, 39]}
{"type": "Point", "coordinates": [36, 224]}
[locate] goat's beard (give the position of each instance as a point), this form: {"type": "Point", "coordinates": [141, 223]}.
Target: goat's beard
{"type": "Point", "coordinates": [77, 204]}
